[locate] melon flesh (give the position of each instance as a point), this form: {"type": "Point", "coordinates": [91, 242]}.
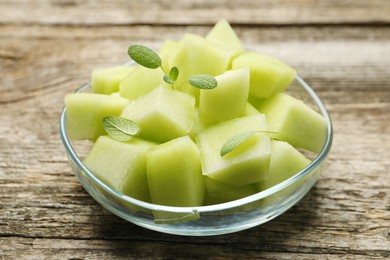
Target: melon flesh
{"type": "Point", "coordinates": [175, 178]}
{"type": "Point", "coordinates": [140, 82]}
{"type": "Point", "coordinates": [228, 100]}
{"type": "Point", "coordinates": [268, 75]}
{"type": "Point", "coordinates": [174, 173]}
{"type": "Point", "coordinates": [199, 125]}
{"type": "Point", "coordinates": [218, 192]}
{"type": "Point", "coordinates": [196, 55]}
{"type": "Point", "coordinates": [85, 113]}
{"type": "Point", "coordinates": [246, 164]}
{"type": "Point", "coordinates": [166, 52]}
{"type": "Point", "coordinates": [107, 81]}
{"type": "Point", "coordinates": [250, 110]}
{"type": "Point", "coordinates": [223, 35]}
{"type": "Point", "coordinates": [162, 114]}
{"type": "Point", "coordinates": [285, 162]}
{"type": "Point", "coordinates": [294, 122]}
{"type": "Point", "coordinates": [122, 165]}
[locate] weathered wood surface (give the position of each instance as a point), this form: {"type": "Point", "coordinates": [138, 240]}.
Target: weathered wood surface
{"type": "Point", "coordinates": [48, 49]}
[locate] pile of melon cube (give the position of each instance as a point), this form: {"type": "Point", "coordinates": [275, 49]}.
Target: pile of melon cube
{"type": "Point", "coordinates": [175, 160]}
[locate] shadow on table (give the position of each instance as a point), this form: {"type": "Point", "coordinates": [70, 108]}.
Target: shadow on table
{"type": "Point", "coordinates": [126, 239]}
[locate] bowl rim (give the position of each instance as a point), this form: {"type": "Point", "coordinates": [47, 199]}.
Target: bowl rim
{"type": "Point", "coordinates": [215, 207]}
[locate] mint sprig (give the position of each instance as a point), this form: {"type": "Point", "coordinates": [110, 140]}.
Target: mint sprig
{"type": "Point", "coordinates": [144, 56]}
{"type": "Point", "coordinates": [236, 140]}
{"type": "Point", "coordinates": [120, 128]}
{"type": "Point", "coordinates": [203, 81]}
{"type": "Point", "coordinates": [174, 73]}
{"type": "Point", "coordinates": [172, 76]}
{"type": "Point", "coordinates": [150, 59]}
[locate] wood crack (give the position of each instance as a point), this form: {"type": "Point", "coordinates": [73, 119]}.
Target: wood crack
{"type": "Point", "coordinates": [377, 24]}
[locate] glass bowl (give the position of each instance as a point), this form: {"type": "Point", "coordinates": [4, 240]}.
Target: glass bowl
{"type": "Point", "coordinates": [206, 220]}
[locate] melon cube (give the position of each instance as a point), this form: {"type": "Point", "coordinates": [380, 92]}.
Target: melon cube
{"type": "Point", "coordinates": [162, 114]}
{"type": "Point", "coordinates": [166, 52]}
{"type": "Point", "coordinates": [115, 94]}
{"type": "Point", "coordinates": [294, 122]}
{"type": "Point", "coordinates": [174, 173]}
{"type": "Point", "coordinates": [175, 178]}
{"type": "Point", "coordinates": [218, 192]}
{"type": "Point", "coordinates": [140, 81]}
{"type": "Point", "coordinates": [199, 125]}
{"type": "Point", "coordinates": [228, 100]}
{"type": "Point", "coordinates": [223, 35]}
{"type": "Point", "coordinates": [122, 165]}
{"type": "Point", "coordinates": [268, 75]}
{"type": "Point", "coordinates": [246, 164]}
{"type": "Point", "coordinates": [85, 113]}
{"type": "Point", "coordinates": [107, 81]}
{"type": "Point", "coordinates": [196, 55]}
{"type": "Point", "coordinates": [255, 101]}
{"type": "Point", "coordinates": [250, 110]}
{"type": "Point", "coordinates": [285, 162]}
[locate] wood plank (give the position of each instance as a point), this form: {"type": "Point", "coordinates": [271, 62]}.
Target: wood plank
{"type": "Point", "coordinates": [197, 12]}
{"type": "Point", "coordinates": [327, 61]}
{"type": "Point", "coordinates": [30, 248]}
{"type": "Point", "coordinates": [50, 204]}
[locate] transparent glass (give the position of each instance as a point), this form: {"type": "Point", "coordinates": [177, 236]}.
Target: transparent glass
{"type": "Point", "coordinates": [205, 220]}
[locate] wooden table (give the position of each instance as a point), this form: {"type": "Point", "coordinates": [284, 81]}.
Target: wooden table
{"type": "Point", "coordinates": [48, 49]}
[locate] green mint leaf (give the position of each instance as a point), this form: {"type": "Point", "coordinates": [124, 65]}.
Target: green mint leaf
{"type": "Point", "coordinates": [174, 73]}
{"type": "Point", "coordinates": [238, 139]}
{"type": "Point", "coordinates": [144, 56]}
{"type": "Point", "coordinates": [203, 81]}
{"type": "Point", "coordinates": [235, 141]}
{"type": "Point", "coordinates": [167, 79]}
{"type": "Point", "coordinates": [120, 128]}
{"type": "Point", "coordinates": [172, 77]}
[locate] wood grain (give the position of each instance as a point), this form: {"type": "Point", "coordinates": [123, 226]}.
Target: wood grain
{"type": "Point", "coordinates": [44, 211]}
{"type": "Point", "coordinates": [199, 12]}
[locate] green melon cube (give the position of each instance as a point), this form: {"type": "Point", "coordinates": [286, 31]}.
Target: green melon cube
{"type": "Point", "coordinates": [140, 82]}
{"type": "Point", "coordinates": [166, 52]}
{"type": "Point", "coordinates": [285, 162]}
{"type": "Point", "coordinates": [175, 178]}
{"type": "Point", "coordinates": [223, 35]}
{"type": "Point", "coordinates": [198, 126]}
{"type": "Point", "coordinates": [107, 81]}
{"type": "Point", "coordinates": [228, 100]}
{"type": "Point", "coordinates": [196, 55]}
{"type": "Point", "coordinates": [162, 114]}
{"type": "Point", "coordinates": [218, 192]}
{"type": "Point", "coordinates": [174, 173]}
{"type": "Point", "coordinates": [246, 164]}
{"type": "Point", "coordinates": [294, 122]}
{"type": "Point", "coordinates": [268, 75]}
{"type": "Point", "coordinates": [85, 113]}
{"type": "Point", "coordinates": [255, 101]}
{"type": "Point", "coordinates": [122, 165]}
{"type": "Point", "coordinates": [250, 110]}
{"type": "Point", "coordinates": [115, 94]}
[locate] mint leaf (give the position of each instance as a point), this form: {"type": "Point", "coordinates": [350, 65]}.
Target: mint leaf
{"type": "Point", "coordinates": [235, 141]}
{"type": "Point", "coordinates": [238, 139]}
{"type": "Point", "coordinates": [120, 128]}
{"type": "Point", "coordinates": [172, 77]}
{"type": "Point", "coordinates": [167, 79]}
{"type": "Point", "coordinates": [203, 81]}
{"type": "Point", "coordinates": [144, 56]}
{"type": "Point", "coordinates": [174, 73]}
